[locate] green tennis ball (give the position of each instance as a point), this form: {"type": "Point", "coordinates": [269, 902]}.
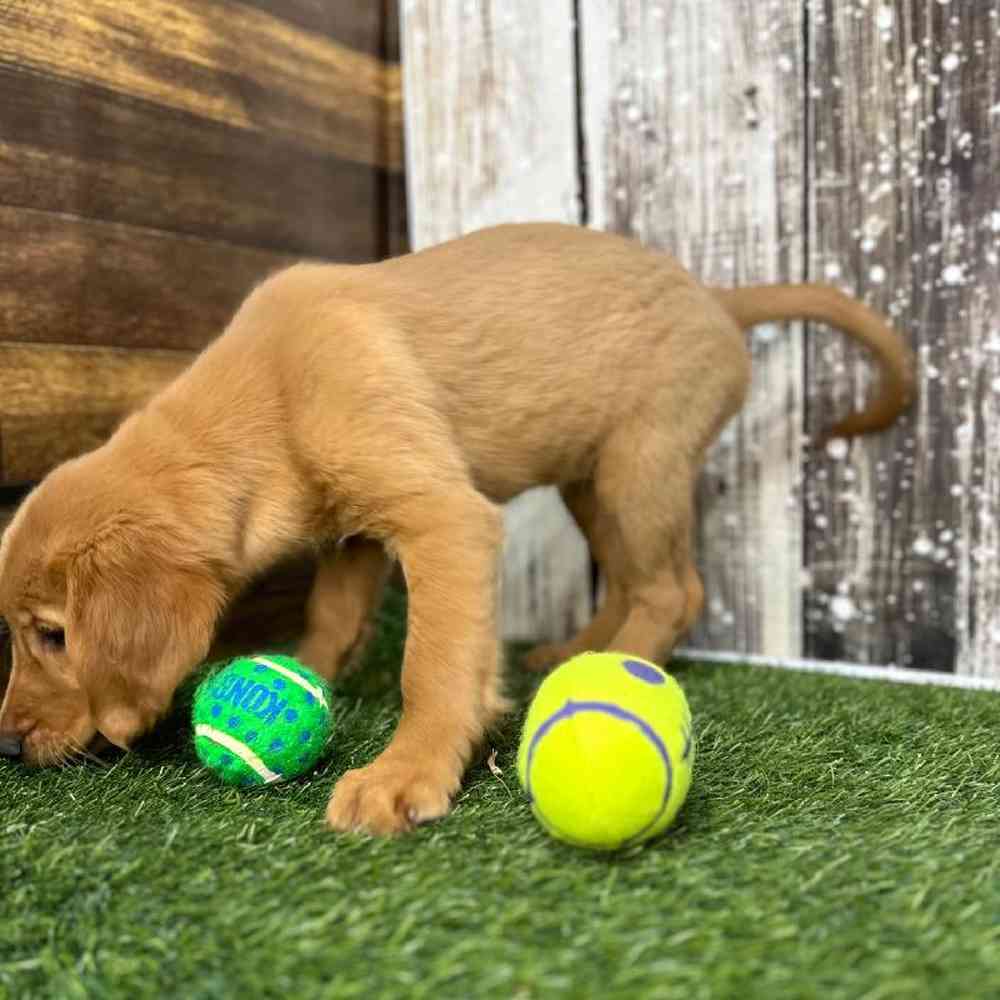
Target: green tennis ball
{"type": "Point", "coordinates": [606, 751]}
{"type": "Point", "coordinates": [261, 719]}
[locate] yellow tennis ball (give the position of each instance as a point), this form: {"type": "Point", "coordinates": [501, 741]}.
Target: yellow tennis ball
{"type": "Point", "coordinates": [606, 751]}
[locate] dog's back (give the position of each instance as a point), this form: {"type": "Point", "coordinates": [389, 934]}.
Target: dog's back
{"type": "Point", "coordinates": [542, 338]}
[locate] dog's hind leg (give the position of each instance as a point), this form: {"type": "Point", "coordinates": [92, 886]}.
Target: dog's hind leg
{"type": "Point", "coordinates": [694, 591]}
{"type": "Point", "coordinates": [600, 531]}
{"type": "Point", "coordinates": [662, 589]}
{"type": "Point", "coordinates": [349, 583]}
{"type": "Point", "coordinates": [645, 480]}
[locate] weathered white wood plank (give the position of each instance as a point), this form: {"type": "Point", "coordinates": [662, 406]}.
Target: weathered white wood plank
{"type": "Point", "coordinates": [491, 137]}
{"type": "Point", "coordinates": [902, 535]}
{"type": "Point", "coordinates": [693, 113]}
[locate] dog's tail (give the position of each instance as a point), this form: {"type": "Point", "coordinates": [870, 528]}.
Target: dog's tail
{"type": "Point", "coordinates": [770, 303]}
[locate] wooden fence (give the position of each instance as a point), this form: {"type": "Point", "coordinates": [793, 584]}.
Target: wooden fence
{"type": "Point", "coordinates": [856, 143]}
{"type": "Point", "coordinates": [158, 158]}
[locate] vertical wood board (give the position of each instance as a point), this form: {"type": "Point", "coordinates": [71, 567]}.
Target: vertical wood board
{"type": "Point", "coordinates": [901, 535]}
{"type": "Point", "coordinates": [490, 120]}
{"type": "Point", "coordinates": [490, 125]}
{"type": "Point", "coordinates": [693, 116]}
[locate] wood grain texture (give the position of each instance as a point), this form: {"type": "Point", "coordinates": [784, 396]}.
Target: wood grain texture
{"type": "Point", "coordinates": [395, 221]}
{"type": "Point", "coordinates": [233, 63]}
{"type": "Point", "coordinates": [390, 24]}
{"type": "Point", "coordinates": [358, 26]}
{"type": "Point", "coordinates": [85, 150]}
{"type": "Point", "coordinates": [56, 402]}
{"type": "Point", "coordinates": [76, 281]}
{"type": "Point", "coordinates": [693, 115]}
{"type": "Point", "coordinates": [394, 224]}
{"type": "Point", "coordinates": [491, 137]}
{"type": "Point", "coordinates": [490, 118]}
{"type": "Point", "coordinates": [902, 535]}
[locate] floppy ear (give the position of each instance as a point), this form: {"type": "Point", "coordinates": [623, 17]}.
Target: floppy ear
{"type": "Point", "coordinates": [139, 620]}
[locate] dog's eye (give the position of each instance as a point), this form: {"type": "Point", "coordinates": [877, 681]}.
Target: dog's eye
{"type": "Point", "coordinates": [54, 638]}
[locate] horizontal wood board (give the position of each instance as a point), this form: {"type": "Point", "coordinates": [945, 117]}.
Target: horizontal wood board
{"type": "Point", "coordinates": [56, 402]}
{"type": "Point", "coordinates": [226, 61]}
{"type": "Point", "coordinates": [80, 281]}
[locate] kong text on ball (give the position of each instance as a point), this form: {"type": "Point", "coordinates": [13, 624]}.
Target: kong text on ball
{"type": "Point", "coordinates": [261, 719]}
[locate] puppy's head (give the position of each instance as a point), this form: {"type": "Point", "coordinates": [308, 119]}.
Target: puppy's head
{"type": "Point", "coordinates": [109, 605]}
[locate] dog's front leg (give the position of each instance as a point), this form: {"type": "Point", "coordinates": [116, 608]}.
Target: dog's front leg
{"type": "Point", "coordinates": [449, 550]}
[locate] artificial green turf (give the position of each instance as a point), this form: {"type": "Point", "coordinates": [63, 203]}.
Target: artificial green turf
{"type": "Point", "coordinates": [839, 841]}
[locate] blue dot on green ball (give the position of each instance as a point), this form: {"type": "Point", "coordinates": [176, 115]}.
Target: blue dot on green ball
{"type": "Point", "coordinates": [276, 744]}
{"type": "Point", "coordinates": [277, 683]}
{"type": "Point", "coordinates": [225, 760]}
{"type": "Point", "coordinates": [234, 722]}
{"type": "Point", "coordinates": [250, 736]}
{"type": "Point", "coordinates": [216, 711]}
{"type": "Point", "coordinates": [309, 698]}
{"type": "Point", "coordinates": [259, 669]}
{"type": "Point", "coordinates": [306, 736]}
{"type": "Point", "coordinates": [291, 715]}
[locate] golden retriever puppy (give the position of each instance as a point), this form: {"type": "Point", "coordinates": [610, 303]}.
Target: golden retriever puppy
{"type": "Point", "coordinates": [383, 412]}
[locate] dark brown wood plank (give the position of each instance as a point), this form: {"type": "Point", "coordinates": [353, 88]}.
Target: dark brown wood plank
{"type": "Point", "coordinates": [356, 25]}
{"type": "Point", "coordinates": [32, 446]}
{"type": "Point", "coordinates": [11, 494]}
{"type": "Point", "coordinates": [84, 150]}
{"type": "Point", "coordinates": [391, 25]}
{"type": "Point", "coordinates": [57, 402]}
{"type": "Point", "coordinates": [902, 534]}
{"type": "Point", "coordinates": [222, 60]}
{"type": "Point", "coordinates": [394, 226]}
{"type": "Point", "coordinates": [75, 281]}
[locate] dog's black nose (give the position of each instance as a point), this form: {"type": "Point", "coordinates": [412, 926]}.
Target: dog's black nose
{"type": "Point", "coordinates": [10, 745]}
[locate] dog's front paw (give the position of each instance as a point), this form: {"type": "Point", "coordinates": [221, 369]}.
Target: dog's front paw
{"type": "Point", "coordinates": [389, 797]}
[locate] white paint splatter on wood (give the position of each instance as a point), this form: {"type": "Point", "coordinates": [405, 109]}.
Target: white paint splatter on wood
{"type": "Point", "coordinates": [694, 143]}
{"type": "Point", "coordinates": [491, 137]}
{"type": "Point", "coordinates": [710, 132]}
{"type": "Point", "coordinates": [902, 535]}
